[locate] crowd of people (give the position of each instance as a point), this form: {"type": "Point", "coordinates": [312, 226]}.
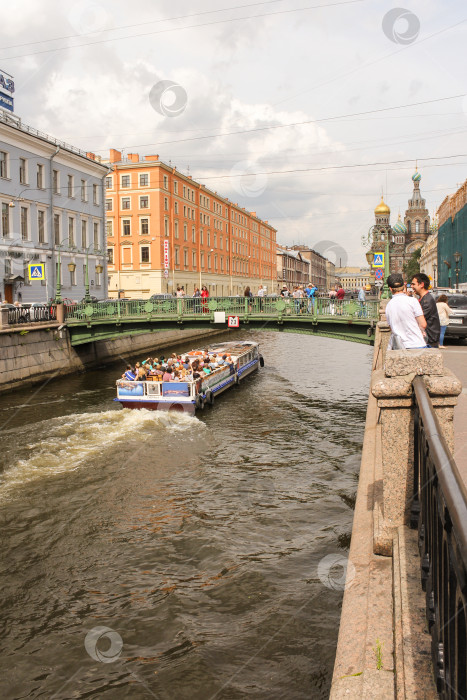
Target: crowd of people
{"type": "Point", "coordinates": [177, 368]}
{"type": "Point", "coordinates": [416, 319]}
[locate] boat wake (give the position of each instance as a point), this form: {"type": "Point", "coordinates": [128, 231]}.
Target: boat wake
{"type": "Point", "coordinates": [68, 443]}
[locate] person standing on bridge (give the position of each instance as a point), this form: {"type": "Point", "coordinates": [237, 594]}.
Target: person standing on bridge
{"type": "Point", "coordinates": [405, 317]}
{"type": "Point", "coordinates": [421, 285]}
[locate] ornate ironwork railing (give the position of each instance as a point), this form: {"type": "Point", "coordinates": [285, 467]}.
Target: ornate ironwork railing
{"type": "Point", "coordinates": [439, 511]}
{"type": "Point", "coordinates": [190, 307]}
{"type": "Point", "coordinates": [28, 313]}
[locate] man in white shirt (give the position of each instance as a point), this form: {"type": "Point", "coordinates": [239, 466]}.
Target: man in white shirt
{"type": "Point", "coordinates": [405, 316]}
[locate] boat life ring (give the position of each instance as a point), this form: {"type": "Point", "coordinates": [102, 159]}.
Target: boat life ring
{"type": "Point", "coordinates": [199, 402]}
{"type": "Point", "coordinates": [261, 361]}
{"type": "Point", "coordinates": [210, 397]}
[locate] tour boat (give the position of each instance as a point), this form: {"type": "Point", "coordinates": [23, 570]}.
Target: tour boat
{"type": "Point", "coordinates": [188, 396]}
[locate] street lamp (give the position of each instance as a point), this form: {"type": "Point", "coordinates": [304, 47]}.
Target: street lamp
{"type": "Point", "coordinates": [58, 290]}
{"type": "Point", "coordinates": [457, 258]}
{"type": "Point", "coordinates": [434, 274]}
{"type": "Point", "coordinates": [87, 296]}
{"type": "Point", "coordinates": [385, 294]}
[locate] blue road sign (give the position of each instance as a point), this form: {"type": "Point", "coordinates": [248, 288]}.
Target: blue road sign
{"type": "Point", "coordinates": [36, 271]}
{"type": "Point", "coordinates": [378, 260]}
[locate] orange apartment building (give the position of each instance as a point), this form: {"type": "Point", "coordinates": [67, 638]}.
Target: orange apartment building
{"type": "Point", "coordinates": [165, 230]}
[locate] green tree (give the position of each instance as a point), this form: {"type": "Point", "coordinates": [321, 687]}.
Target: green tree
{"type": "Point", "coordinates": [412, 266]}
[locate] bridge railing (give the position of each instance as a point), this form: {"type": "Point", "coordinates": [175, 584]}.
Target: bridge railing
{"type": "Point", "coordinates": [190, 307]}
{"type": "Point", "coordinates": [439, 511]}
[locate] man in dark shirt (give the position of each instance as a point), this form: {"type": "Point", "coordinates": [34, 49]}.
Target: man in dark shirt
{"type": "Point", "coordinates": [421, 285]}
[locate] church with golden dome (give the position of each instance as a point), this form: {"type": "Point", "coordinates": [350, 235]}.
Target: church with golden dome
{"type": "Point", "coordinates": [405, 236]}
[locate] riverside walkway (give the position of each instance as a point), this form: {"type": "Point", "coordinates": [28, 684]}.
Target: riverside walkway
{"type": "Point", "coordinates": [403, 631]}
{"type": "Point", "coordinates": [346, 320]}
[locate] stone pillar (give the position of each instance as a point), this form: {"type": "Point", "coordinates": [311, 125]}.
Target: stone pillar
{"type": "Point", "coordinates": [60, 311]}
{"type": "Point", "coordinates": [4, 318]}
{"type": "Point", "coordinates": [392, 387]}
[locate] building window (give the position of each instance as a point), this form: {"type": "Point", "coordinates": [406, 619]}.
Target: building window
{"type": "Point", "coordinates": [144, 180]}
{"type": "Point", "coordinates": [109, 228]}
{"type": "Point", "coordinates": [193, 234]}
{"type": "Point", "coordinates": [175, 229]}
{"type": "Point", "coordinates": [5, 220]}
{"type": "Point", "coordinates": [143, 202]}
{"type": "Point", "coordinates": [126, 229]}
{"type": "Point", "coordinates": [23, 175]}
{"type": "Point", "coordinates": [24, 223]}
{"type": "Point", "coordinates": [108, 205]}
{"type": "Point", "coordinates": [166, 182]}
{"type": "Point", "coordinates": [125, 181]}
{"type": "Point", "coordinates": [177, 255]}
{"type": "Point", "coordinates": [69, 185]}
{"type": "Point", "coordinates": [125, 202]}
{"type": "Point", "coordinates": [185, 258]}
{"type": "Point", "coordinates": [108, 182]}
{"type": "Point", "coordinates": [95, 194]}
{"type": "Point", "coordinates": [83, 190]}
{"type": "Point", "coordinates": [176, 207]}
{"type": "Point", "coordinates": [41, 225]}
{"type": "Point", "coordinates": [166, 204]}
{"type": "Point", "coordinates": [71, 232]}
{"type": "Point", "coordinates": [40, 176]}
{"type": "Point", "coordinates": [175, 187]}
{"type": "Point", "coordinates": [193, 260]}
{"type": "Point", "coordinates": [202, 261]}
{"type": "Point", "coordinates": [55, 182]}
{"type": "Point", "coordinates": [145, 254]}
{"type": "Point", "coordinates": [426, 226]}
{"type": "Point", "coordinates": [3, 164]}
{"type": "Point", "coordinates": [185, 232]}
{"type": "Point", "coordinates": [144, 224]}
{"type": "Point", "coordinates": [417, 226]}
{"type": "Point", "coordinates": [84, 234]}
{"type": "Point", "coordinates": [110, 256]}
{"type": "Point", "coordinates": [201, 237]}
{"type": "Point", "coordinates": [96, 235]}
{"type": "Point", "coordinates": [57, 229]}
{"type": "Point", "coordinates": [166, 227]}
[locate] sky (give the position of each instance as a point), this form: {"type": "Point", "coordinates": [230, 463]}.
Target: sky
{"type": "Point", "coordinates": [303, 111]}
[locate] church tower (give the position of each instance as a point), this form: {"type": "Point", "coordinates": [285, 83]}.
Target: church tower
{"type": "Point", "coordinates": [416, 219]}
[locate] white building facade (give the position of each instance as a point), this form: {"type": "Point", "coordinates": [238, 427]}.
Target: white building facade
{"type": "Point", "coordinates": [52, 204]}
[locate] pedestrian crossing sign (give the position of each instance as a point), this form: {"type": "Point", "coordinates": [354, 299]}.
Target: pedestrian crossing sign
{"type": "Point", "coordinates": [36, 271]}
{"type": "Point", "coordinates": [378, 260]}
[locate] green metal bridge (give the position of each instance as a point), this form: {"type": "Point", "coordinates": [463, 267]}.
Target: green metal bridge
{"type": "Point", "coordinates": [345, 320]}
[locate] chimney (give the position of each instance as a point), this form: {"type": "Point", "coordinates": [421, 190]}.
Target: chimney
{"type": "Point", "coordinates": [91, 156]}
{"type": "Point", "coordinates": [253, 213]}
{"type": "Point", "coordinates": [133, 157]}
{"type": "Point", "coordinates": [156, 157]}
{"type": "Point", "coordinates": [115, 156]}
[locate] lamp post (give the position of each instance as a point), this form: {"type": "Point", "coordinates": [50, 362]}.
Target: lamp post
{"type": "Point", "coordinates": [434, 274]}
{"type": "Point", "coordinates": [58, 289]}
{"type": "Point", "coordinates": [385, 294]}
{"type": "Point", "coordinates": [457, 258]}
{"type": "Point", "coordinates": [87, 295]}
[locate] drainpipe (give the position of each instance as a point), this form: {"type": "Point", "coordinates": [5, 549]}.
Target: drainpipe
{"type": "Point", "coordinates": [51, 226]}
{"type": "Point", "coordinates": [104, 236]}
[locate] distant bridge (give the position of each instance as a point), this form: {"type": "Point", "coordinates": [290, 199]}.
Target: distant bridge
{"type": "Point", "coordinates": [345, 320]}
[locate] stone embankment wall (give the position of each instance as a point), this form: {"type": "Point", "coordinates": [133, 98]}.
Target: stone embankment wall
{"type": "Point", "coordinates": [33, 354]}
{"type": "Point", "coordinates": [383, 650]}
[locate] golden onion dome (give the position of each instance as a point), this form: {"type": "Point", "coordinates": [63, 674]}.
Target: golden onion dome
{"type": "Point", "coordinates": [382, 208]}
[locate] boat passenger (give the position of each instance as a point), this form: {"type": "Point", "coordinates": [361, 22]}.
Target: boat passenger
{"type": "Point", "coordinates": [129, 374]}
{"type": "Point", "coordinates": [142, 376]}
{"type": "Point", "coordinates": [207, 369]}
{"type": "Point", "coordinates": [167, 376]}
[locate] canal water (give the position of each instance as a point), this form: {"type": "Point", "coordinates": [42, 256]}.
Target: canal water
{"type": "Point", "coordinates": [167, 556]}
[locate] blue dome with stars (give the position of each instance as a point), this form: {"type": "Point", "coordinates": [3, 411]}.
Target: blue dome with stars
{"type": "Point", "coordinates": [416, 177]}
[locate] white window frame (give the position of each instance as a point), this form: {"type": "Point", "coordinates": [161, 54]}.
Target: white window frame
{"type": "Point", "coordinates": [145, 262]}
{"type": "Point", "coordinates": [141, 219]}
{"type": "Point", "coordinates": [42, 211]}
{"type": "Point", "coordinates": [124, 221]}
{"type": "Point", "coordinates": [26, 171]}
{"type": "Point", "coordinates": [6, 174]}
{"type": "Point", "coordinates": [144, 196]}
{"type": "Point", "coordinates": [122, 186]}
{"type": "Point", "coordinates": [124, 199]}
{"type": "Point", "coordinates": [140, 176]}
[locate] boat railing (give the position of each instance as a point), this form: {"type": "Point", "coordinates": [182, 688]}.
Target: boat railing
{"type": "Point", "coordinates": [127, 388]}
